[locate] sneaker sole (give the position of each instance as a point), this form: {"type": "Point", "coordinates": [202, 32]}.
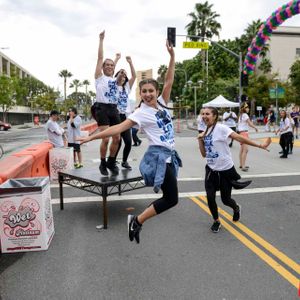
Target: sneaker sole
{"type": "Point", "coordinates": [129, 219]}
{"type": "Point", "coordinates": [214, 231]}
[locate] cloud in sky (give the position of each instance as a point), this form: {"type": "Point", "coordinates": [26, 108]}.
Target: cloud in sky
{"type": "Point", "coordinates": [46, 36]}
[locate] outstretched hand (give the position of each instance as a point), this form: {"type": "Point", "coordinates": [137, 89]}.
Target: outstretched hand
{"type": "Point", "coordinates": [83, 140]}
{"type": "Point", "coordinates": [170, 48]}
{"type": "Point", "coordinates": [266, 144]}
{"type": "Point", "coordinates": [118, 56]}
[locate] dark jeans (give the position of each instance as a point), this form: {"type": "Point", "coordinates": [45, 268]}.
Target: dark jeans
{"type": "Point", "coordinates": [126, 137]}
{"type": "Point", "coordinates": [170, 192]}
{"type": "Point", "coordinates": [219, 180]}
{"type": "Point", "coordinates": [285, 142]}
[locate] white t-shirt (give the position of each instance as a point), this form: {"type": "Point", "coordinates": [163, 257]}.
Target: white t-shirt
{"type": "Point", "coordinates": [200, 123]}
{"type": "Point", "coordinates": [106, 90]}
{"type": "Point", "coordinates": [218, 155]}
{"type": "Point", "coordinates": [243, 125]}
{"type": "Point", "coordinates": [55, 132]}
{"type": "Point", "coordinates": [284, 124]}
{"type": "Point", "coordinates": [156, 123]}
{"type": "Point", "coordinates": [74, 132]}
{"type": "Point", "coordinates": [122, 95]}
{"type": "Point", "coordinates": [230, 122]}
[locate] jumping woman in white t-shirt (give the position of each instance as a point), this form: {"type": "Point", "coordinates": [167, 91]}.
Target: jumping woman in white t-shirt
{"type": "Point", "coordinates": [243, 127]}
{"type": "Point", "coordinates": [220, 173]}
{"type": "Point", "coordinates": [160, 163]}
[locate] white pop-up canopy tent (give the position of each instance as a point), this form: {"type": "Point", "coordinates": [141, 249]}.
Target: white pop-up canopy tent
{"type": "Point", "coordinates": [220, 101]}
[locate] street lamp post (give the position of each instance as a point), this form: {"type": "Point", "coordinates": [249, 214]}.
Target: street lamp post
{"type": "Point", "coordinates": [195, 94]}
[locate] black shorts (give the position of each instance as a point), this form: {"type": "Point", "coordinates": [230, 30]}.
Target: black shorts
{"type": "Point", "coordinates": [76, 147]}
{"type": "Point", "coordinates": [105, 114]}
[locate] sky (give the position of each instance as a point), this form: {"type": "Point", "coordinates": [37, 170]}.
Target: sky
{"type": "Point", "coordinates": [47, 36]}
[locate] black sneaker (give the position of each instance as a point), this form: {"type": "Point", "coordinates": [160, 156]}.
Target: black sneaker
{"type": "Point", "coordinates": [126, 165]}
{"type": "Point", "coordinates": [103, 169]}
{"type": "Point", "coordinates": [215, 227]}
{"type": "Point", "coordinates": [112, 166]}
{"type": "Point", "coordinates": [133, 228]}
{"type": "Point", "coordinates": [236, 214]}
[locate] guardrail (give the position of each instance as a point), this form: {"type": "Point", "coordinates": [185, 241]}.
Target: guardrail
{"type": "Point", "coordinates": [32, 161]}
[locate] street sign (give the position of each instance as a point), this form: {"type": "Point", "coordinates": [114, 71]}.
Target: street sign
{"type": "Point", "coordinates": [280, 93]}
{"type": "Point", "coordinates": [258, 108]}
{"type": "Point", "coordinates": [196, 45]}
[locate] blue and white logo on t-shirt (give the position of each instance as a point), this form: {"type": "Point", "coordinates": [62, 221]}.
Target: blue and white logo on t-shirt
{"type": "Point", "coordinates": [112, 93]}
{"type": "Point", "coordinates": [208, 144]}
{"type": "Point", "coordinates": [122, 100]}
{"type": "Point", "coordinates": [164, 122]}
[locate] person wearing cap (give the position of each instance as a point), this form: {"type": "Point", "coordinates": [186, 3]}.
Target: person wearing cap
{"type": "Point", "coordinates": [73, 126]}
{"type": "Point", "coordinates": [54, 131]}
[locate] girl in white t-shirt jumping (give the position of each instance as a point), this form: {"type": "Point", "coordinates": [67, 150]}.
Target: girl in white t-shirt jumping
{"type": "Point", "coordinates": [243, 127]}
{"type": "Point", "coordinates": [220, 173]}
{"type": "Point", "coordinates": [160, 162]}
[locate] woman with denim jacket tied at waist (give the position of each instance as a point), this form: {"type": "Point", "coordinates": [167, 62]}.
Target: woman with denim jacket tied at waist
{"type": "Point", "coordinates": [160, 163]}
{"type": "Point", "coordinates": [220, 173]}
{"type": "Point", "coordinates": [243, 127]}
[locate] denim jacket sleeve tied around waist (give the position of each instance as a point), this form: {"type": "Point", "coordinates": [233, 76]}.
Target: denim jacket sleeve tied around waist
{"type": "Point", "coordinates": [153, 165]}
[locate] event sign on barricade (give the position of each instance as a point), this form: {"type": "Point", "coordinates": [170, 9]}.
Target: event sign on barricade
{"type": "Point", "coordinates": [60, 159]}
{"type": "Point", "coordinates": [26, 219]}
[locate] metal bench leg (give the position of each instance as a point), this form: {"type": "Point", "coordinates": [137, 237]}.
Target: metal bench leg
{"type": "Point", "coordinates": [61, 195]}
{"type": "Point", "coordinates": [105, 210]}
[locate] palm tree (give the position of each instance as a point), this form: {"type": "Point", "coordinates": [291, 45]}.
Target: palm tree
{"type": "Point", "coordinates": [203, 22]}
{"type": "Point", "coordinates": [76, 84]}
{"type": "Point", "coordinates": [65, 74]}
{"type": "Point", "coordinates": [86, 83]}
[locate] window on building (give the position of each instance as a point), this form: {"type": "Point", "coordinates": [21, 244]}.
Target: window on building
{"type": "Point", "coordinates": [298, 52]}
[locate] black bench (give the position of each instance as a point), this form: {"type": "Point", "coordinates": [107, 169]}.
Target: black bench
{"type": "Point", "coordinates": [92, 181]}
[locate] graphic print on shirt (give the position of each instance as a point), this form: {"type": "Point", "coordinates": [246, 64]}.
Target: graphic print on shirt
{"type": "Point", "coordinates": [122, 100]}
{"type": "Point", "coordinates": [208, 144]}
{"type": "Point", "coordinates": [165, 123]}
{"type": "Point", "coordinates": [111, 94]}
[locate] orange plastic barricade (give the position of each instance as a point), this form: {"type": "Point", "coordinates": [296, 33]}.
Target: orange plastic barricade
{"type": "Point", "coordinates": [40, 155]}
{"type": "Point", "coordinates": [15, 167]}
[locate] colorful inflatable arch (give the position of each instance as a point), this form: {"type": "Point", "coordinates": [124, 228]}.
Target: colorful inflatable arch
{"type": "Point", "coordinates": [279, 16]}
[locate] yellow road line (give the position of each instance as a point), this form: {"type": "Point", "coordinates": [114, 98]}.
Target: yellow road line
{"type": "Point", "coordinates": [285, 259]}
{"type": "Point", "coordinates": [265, 257]}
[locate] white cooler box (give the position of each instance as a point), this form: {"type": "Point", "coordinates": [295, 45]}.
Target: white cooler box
{"type": "Point", "coordinates": [26, 219]}
{"type": "Point", "coordinates": [60, 159]}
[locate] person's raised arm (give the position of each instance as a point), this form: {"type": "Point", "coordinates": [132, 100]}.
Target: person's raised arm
{"type": "Point", "coordinates": [117, 58]}
{"type": "Point", "coordinates": [110, 131]}
{"type": "Point", "coordinates": [166, 92]}
{"type": "Point", "coordinates": [132, 70]}
{"type": "Point", "coordinates": [98, 71]}
{"type": "Point", "coordinates": [201, 144]}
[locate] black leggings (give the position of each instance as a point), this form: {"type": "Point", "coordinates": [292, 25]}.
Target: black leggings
{"type": "Point", "coordinates": [285, 142]}
{"type": "Point", "coordinates": [170, 192]}
{"type": "Point", "coordinates": [126, 136]}
{"type": "Point", "coordinates": [214, 181]}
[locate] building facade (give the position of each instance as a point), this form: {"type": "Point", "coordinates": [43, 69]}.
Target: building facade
{"type": "Point", "coordinates": [140, 75]}
{"type": "Point", "coordinates": [284, 50]}
{"type": "Point", "coordinates": [9, 67]}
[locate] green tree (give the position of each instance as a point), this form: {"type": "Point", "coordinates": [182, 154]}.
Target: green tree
{"type": "Point", "coordinates": [76, 84]}
{"type": "Point", "coordinates": [86, 83]}
{"type": "Point", "coordinates": [7, 91]}
{"type": "Point", "coordinates": [65, 74]}
{"type": "Point", "coordinates": [295, 79]}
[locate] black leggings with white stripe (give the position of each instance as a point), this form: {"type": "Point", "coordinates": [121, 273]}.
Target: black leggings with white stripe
{"type": "Point", "coordinates": [170, 192]}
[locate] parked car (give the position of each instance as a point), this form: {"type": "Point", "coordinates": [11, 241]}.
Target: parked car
{"type": "Point", "coordinates": [4, 126]}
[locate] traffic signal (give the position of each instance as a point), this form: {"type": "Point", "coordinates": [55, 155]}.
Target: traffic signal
{"type": "Point", "coordinates": [172, 35]}
{"type": "Point", "coordinates": [244, 79]}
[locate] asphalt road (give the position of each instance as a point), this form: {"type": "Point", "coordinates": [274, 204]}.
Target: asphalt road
{"type": "Point", "coordinates": [178, 257]}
